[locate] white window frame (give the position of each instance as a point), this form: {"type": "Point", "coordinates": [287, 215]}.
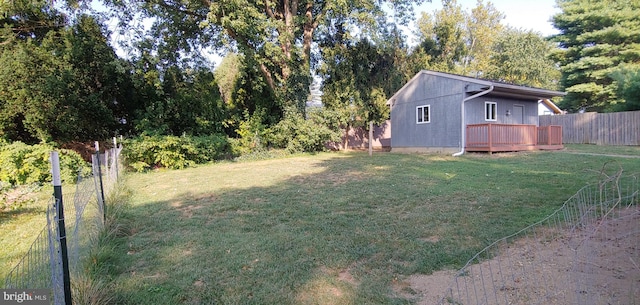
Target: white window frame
{"type": "Point", "coordinates": [489, 115]}
{"type": "Point", "coordinates": [420, 110]}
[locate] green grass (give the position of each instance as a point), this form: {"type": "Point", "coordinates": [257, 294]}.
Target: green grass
{"type": "Point", "coordinates": [20, 223]}
{"type": "Point", "coordinates": [97, 246]}
{"type": "Point", "coordinates": [331, 228]}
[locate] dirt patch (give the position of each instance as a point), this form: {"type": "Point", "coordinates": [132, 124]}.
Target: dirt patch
{"type": "Point", "coordinates": [597, 263]}
{"type": "Point", "coordinates": [326, 290]}
{"type": "Point", "coordinates": [14, 198]}
{"type": "Point", "coordinates": [345, 276]}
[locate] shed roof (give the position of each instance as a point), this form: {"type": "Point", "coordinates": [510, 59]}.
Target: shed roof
{"type": "Point", "coordinates": [500, 88]}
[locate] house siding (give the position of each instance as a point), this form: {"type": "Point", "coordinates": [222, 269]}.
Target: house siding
{"type": "Point", "coordinates": [475, 113]}
{"type": "Point", "coordinates": [443, 132]}
{"type": "Point", "coordinates": [444, 94]}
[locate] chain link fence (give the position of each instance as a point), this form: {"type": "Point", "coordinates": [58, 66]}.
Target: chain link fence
{"type": "Point", "coordinates": [42, 265]}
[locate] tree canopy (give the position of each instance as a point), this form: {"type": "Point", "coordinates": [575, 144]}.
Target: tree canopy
{"type": "Point", "coordinates": [276, 36]}
{"type": "Point", "coordinates": [60, 77]}
{"type": "Point", "coordinates": [522, 58]}
{"type": "Point", "coordinates": [457, 41]}
{"type": "Point", "coordinates": [476, 44]}
{"type": "Point", "coordinates": [64, 84]}
{"type": "Point", "coordinates": [597, 38]}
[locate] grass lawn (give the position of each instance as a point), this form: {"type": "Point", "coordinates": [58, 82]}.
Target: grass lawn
{"type": "Point", "coordinates": [331, 228]}
{"type": "Point", "coordinates": [21, 223]}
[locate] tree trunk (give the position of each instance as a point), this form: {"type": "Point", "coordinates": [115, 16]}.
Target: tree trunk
{"type": "Point", "coordinates": [345, 144]}
{"type": "Point", "coordinates": [309, 27]}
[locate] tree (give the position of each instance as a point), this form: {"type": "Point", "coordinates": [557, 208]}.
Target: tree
{"type": "Point", "coordinates": [596, 39]}
{"type": "Point", "coordinates": [443, 36]}
{"type": "Point", "coordinates": [276, 36]}
{"type": "Point", "coordinates": [477, 45]}
{"type": "Point", "coordinates": [190, 104]}
{"type": "Point", "coordinates": [246, 94]}
{"type": "Point", "coordinates": [100, 90]}
{"type": "Point", "coordinates": [456, 41]}
{"type": "Point", "coordinates": [482, 25]}
{"type": "Point", "coordinates": [358, 80]}
{"type": "Point", "coordinates": [627, 80]}
{"type": "Point", "coordinates": [28, 19]}
{"type": "Point", "coordinates": [67, 85]}
{"type": "Point", "coordinates": [522, 58]}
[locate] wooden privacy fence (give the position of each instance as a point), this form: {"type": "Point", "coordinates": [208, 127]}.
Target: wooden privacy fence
{"type": "Point", "coordinates": [359, 137]}
{"type": "Point", "coordinates": [617, 128]}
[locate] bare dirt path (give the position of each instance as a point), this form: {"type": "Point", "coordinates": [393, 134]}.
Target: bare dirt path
{"type": "Point", "coordinates": [595, 154]}
{"type": "Point", "coordinates": [593, 265]}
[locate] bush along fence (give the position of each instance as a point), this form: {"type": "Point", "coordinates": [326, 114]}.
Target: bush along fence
{"type": "Point", "coordinates": [55, 257]}
{"type": "Point", "coordinates": [586, 252]}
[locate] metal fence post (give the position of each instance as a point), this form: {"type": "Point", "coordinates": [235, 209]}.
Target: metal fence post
{"type": "Point", "coordinates": [62, 235]}
{"type": "Point", "coordinates": [115, 156]}
{"type": "Point", "coordinates": [101, 190]}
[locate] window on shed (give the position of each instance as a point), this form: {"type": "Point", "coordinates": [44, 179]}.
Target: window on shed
{"type": "Point", "coordinates": [490, 111]}
{"type": "Point", "coordinates": [423, 114]}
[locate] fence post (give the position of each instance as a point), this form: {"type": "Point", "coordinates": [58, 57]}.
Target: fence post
{"type": "Point", "coordinates": [115, 157]}
{"type": "Point", "coordinates": [101, 190]}
{"type": "Point", "coordinates": [62, 234]}
{"type": "Point", "coordinates": [371, 138]}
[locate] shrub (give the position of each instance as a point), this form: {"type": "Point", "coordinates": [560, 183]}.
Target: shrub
{"type": "Point", "coordinates": [251, 134]}
{"type": "Point", "coordinates": [28, 164]}
{"type": "Point", "coordinates": [146, 152]}
{"type": "Point", "coordinates": [295, 134]}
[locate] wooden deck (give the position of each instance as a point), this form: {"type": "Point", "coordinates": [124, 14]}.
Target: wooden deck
{"type": "Point", "coordinates": [509, 137]}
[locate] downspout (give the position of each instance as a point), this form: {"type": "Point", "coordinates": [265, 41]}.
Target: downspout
{"type": "Point", "coordinates": [463, 137]}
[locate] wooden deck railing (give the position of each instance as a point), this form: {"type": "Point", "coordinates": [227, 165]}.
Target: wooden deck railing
{"type": "Point", "coordinates": [550, 135]}
{"type": "Point", "coordinates": [508, 137]}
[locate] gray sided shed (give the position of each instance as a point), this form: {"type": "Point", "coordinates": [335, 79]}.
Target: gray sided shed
{"type": "Point", "coordinates": [441, 127]}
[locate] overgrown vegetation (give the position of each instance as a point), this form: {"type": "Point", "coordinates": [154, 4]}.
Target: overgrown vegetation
{"type": "Point", "coordinates": [22, 164]}
{"type": "Point", "coordinates": [293, 134]}
{"type": "Point", "coordinates": [92, 285]}
{"type": "Point", "coordinates": [297, 134]}
{"type": "Point", "coordinates": [173, 152]}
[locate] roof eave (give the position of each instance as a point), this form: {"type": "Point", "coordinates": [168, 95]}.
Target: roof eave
{"type": "Point", "coordinates": [552, 106]}
{"type": "Point", "coordinates": [441, 74]}
{"type": "Point", "coordinates": [508, 89]}
{"type": "Point", "coordinates": [529, 91]}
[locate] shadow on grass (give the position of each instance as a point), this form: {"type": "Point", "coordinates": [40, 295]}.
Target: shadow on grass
{"type": "Point", "coordinates": [7, 215]}
{"type": "Point", "coordinates": [325, 229]}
